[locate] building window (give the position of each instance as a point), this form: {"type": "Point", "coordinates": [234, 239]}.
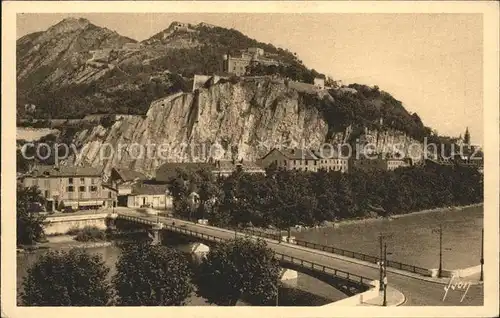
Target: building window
{"type": "Point", "coordinates": [46, 193]}
{"type": "Point", "coordinates": [47, 183]}
{"type": "Point", "coordinates": [93, 189]}
{"type": "Point", "coordinates": [307, 162]}
{"type": "Point", "coordinates": [70, 180]}
{"type": "Point", "coordinates": [81, 195]}
{"type": "Point", "coordinates": [35, 182]}
{"type": "Point", "coordinates": [81, 189]}
{"type": "Point", "coordinates": [109, 194]}
{"type": "Point", "coordinates": [93, 181]}
{"type": "Point", "coordinates": [70, 189]}
{"type": "Point", "coordinates": [306, 168]}
{"type": "Point", "coordinates": [82, 180]}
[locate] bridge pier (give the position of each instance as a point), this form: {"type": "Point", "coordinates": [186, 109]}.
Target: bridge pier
{"type": "Point", "coordinates": [197, 250]}
{"type": "Point", "coordinates": [289, 276]}
{"type": "Point", "coordinates": [155, 234]}
{"type": "Point", "coordinates": [111, 221]}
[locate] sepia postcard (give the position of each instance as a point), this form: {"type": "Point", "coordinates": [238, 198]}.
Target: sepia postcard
{"type": "Point", "coordinates": [281, 159]}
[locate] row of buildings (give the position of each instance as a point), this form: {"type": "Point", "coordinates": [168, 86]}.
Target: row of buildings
{"type": "Point", "coordinates": [70, 188]}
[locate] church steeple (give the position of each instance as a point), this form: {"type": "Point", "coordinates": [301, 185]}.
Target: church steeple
{"type": "Point", "coordinates": [467, 136]}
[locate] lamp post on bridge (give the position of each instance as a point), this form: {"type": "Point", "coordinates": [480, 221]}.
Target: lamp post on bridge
{"type": "Point", "coordinates": [440, 231]}
{"type": "Point", "coordinates": [382, 260]}
{"type": "Point", "coordinates": [482, 256]}
{"type": "Point", "coordinates": [385, 274]}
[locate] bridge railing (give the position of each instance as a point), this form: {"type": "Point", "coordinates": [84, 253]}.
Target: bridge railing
{"type": "Point", "coordinates": [325, 269]}
{"type": "Point", "coordinates": [286, 258]}
{"type": "Point", "coordinates": [344, 252]}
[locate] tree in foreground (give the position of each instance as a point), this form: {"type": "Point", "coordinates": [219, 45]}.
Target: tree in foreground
{"type": "Point", "coordinates": [239, 269]}
{"type": "Point", "coordinates": [67, 278]}
{"type": "Point", "coordinates": [29, 221]}
{"type": "Point", "coordinates": [152, 276]}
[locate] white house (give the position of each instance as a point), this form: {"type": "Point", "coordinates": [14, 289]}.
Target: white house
{"type": "Point", "coordinates": [154, 196]}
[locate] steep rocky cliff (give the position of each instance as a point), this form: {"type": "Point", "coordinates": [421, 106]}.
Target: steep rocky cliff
{"type": "Point", "coordinates": [229, 120]}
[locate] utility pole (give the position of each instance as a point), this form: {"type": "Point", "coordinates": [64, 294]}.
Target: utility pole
{"type": "Point", "coordinates": [381, 262]}
{"type": "Point", "coordinates": [277, 291]}
{"type": "Point", "coordinates": [482, 251]}
{"type": "Point", "coordinates": [440, 232]}
{"type": "Point", "coordinates": [385, 274]}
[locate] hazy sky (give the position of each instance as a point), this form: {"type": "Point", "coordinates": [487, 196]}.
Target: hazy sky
{"type": "Point", "coordinates": [431, 62]}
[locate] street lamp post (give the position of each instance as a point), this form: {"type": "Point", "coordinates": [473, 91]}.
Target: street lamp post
{"type": "Point", "coordinates": [440, 231]}
{"type": "Point", "coordinates": [381, 286]}
{"type": "Point", "coordinates": [440, 250]}
{"type": "Point", "coordinates": [381, 259]}
{"type": "Point", "coordinates": [385, 274]}
{"type": "Point", "coordinates": [277, 291]}
{"type": "Point", "coordinates": [482, 259]}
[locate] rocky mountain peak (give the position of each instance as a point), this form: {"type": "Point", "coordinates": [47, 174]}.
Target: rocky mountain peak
{"type": "Point", "coordinates": [69, 25]}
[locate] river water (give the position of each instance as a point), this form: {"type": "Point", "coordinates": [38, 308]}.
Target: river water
{"type": "Point", "coordinates": [303, 291]}
{"type": "Point", "coordinates": [413, 239]}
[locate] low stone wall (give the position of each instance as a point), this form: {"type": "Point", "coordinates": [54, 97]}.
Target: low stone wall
{"type": "Point", "coordinates": [461, 273]}
{"type": "Point", "coordinates": [62, 224]}
{"type": "Point", "coordinates": [464, 272]}
{"type": "Point", "coordinates": [358, 298]}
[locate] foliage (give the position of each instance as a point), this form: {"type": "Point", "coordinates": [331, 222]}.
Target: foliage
{"type": "Point", "coordinates": [151, 276]}
{"type": "Point", "coordinates": [369, 107]}
{"type": "Point", "coordinates": [73, 278]}
{"type": "Point", "coordinates": [239, 269]}
{"type": "Point", "coordinates": [286, 198]}
{"type": "Point", "coordinates": [90, 234]}
{"type": "Point", "coordinates": [29, 222]}
{"type": "Point", "coordinates": [294, 71]}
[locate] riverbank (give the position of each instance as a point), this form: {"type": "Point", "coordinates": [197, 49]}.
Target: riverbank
{"type": "Point", "coordinates": [330, 224]}
{"type": "Point", "coordinates": [61, 242]}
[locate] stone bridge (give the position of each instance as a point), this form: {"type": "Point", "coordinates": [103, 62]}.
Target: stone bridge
{"type": "Point", "coordinates": [346, 282]}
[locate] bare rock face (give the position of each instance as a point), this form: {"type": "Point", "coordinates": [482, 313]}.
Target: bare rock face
{"type": "Point", "coordinates": [243, 120]}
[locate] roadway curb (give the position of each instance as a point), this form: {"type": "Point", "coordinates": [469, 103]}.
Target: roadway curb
{"type": "Point", "coordinates": [402, 300]}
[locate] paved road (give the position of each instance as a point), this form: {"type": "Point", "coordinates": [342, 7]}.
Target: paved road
{"type": "Point", "coordinates": [417, 292]}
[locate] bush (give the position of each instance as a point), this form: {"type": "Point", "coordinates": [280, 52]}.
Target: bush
{"type": "Point", "coordinates": [60, 278]}
{"type": "Point", "coordinates": [90, 234]}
